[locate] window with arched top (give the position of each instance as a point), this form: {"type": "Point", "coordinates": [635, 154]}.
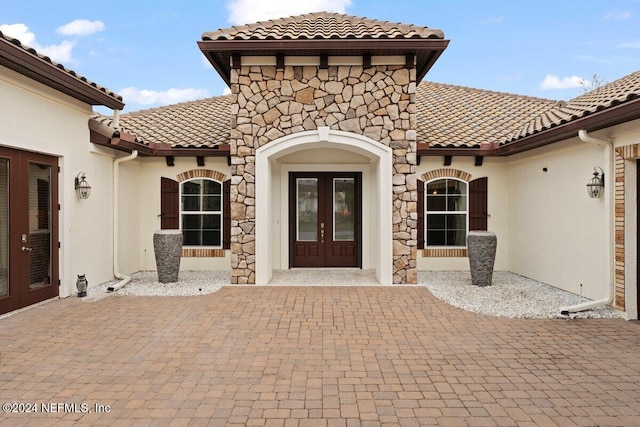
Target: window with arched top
{"type": "Point", "coordinates": [446, 212]}
{"type": "Point", "coordinates": [201, 212]}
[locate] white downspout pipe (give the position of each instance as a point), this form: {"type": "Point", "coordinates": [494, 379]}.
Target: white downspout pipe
{"type": "Point", "coordinates": [124, 279]}
{"type": "Point", "coordinates": [608, 215]}
{"type": "Point", "coordinates": [116, 119]}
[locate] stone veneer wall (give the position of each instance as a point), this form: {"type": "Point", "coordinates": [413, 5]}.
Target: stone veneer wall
{"type": "Point", "coordinates": [622, 154]}
{"type": "Point", "coordinates": [269, 103]}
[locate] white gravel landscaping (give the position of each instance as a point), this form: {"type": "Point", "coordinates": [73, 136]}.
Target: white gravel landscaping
{"type": "Point", "coordinates": [510, 295]}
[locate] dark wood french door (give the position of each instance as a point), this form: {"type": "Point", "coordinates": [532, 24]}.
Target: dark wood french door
{"type": "Point", "coordinates": [325, 215]}
{"type": "Point", "coordinates": [28, 228]}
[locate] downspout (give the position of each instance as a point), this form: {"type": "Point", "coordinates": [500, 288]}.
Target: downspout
{"type": "Point", "coordinates": [116, 119]}
{"type": "Point", "coordinates": [124, 279]}
{"type": "Point", "coordinates": [608, 204]}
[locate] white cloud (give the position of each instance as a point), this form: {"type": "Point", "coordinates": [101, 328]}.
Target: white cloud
{"type": "Point", "coordinates": [226, 91]}
{"type": "Point", "coordinates": [495, 20]}
{"type": "Point", "coordinates": [154, 97]}
{"type": "Point", "coordinates": [81, 27]}
{"type": "Point", "coordinates": [57, 52]}
{"type": "Point", "coordinates": [552, 81]}
{"type": "Point", "coordinates": [618, 15]}
{"type": "Point", "coordinates": [245, 11]}
{"type": "Point", "coordinates": [631, 44]}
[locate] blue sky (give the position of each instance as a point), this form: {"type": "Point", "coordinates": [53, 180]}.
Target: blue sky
{"type": "Point", "coordinates": [146, 50]}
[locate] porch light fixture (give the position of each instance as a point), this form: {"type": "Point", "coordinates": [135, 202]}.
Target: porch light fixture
{"type": "Point", "coordinates": [595, 187]}
{"type": "Point", "coordinates": [83, 189]}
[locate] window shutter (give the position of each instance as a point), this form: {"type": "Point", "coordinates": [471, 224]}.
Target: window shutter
{"type": "Point", "coordinates": [478, 204]}
{"type": "Point", "coordinates": [226, 214]}
{"type": "Point", "coordinates": [420, 209]}
{"type": "Point", "coordinates": [169, 204]}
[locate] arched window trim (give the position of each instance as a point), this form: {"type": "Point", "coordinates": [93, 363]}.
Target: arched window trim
{"type": "Point", "coordinates": [218, 212]}
{"type": "Point", "coordinates": [427, 212]}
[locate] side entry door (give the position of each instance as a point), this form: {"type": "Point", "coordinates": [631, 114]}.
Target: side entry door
{"type": "Point", "coordinates": [28, 228]}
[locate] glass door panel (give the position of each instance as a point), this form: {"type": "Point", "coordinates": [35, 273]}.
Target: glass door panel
{"type": "Point", "coordinates": [4, 228]}
{"type": "Point", "coordinates": [307, 214]}
{"type": "Point", "coordinates": [344, 209]}
{"type": "Point", "coordinates": [39, 225]}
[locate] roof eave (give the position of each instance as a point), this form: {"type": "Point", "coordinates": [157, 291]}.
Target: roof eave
{"type": "Point", "coordinates": [431, 49]}
{"type": "Point", "coordinates": [54, 77]}
{"type": "Point", "coordinates": [602, 119]}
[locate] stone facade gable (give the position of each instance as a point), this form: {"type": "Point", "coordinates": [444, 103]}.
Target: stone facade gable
{"type": "Point", "coordinates": [269, 103]}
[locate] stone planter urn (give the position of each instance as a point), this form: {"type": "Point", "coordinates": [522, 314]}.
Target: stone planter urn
{"type": "Point", "coordinates": [167, 246]}
{"type": "Point", "coordinates": [481, 249]}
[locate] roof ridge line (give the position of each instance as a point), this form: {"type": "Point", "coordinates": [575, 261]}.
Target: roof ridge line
{"type": "Point", "coordinates": [517, 95]}
{"type": "Point", "coordinates": [168, 106]}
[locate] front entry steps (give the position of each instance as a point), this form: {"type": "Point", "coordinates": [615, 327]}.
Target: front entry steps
{"type": "Point", "coordinates": [324, 277]}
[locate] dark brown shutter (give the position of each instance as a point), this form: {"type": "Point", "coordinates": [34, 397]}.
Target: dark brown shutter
{"type": "Point", "coordinates": [226, 214]}
{"type": "Point", "coordinates": [420, 208]}
{"type": "Point", "coordinates": [169, 204]}
{"type": "Point", "coordinates": [478, 204]}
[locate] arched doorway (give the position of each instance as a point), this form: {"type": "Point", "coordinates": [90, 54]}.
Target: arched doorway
{"type": "Point", "coordinates": [334, 153]}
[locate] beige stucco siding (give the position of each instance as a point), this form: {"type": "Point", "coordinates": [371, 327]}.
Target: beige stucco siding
{"type": "Point", "coordinates": [43, 120]}
{"type": "Point", "coordinates": [557, 232]}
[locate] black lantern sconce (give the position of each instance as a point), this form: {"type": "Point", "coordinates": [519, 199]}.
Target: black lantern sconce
{"type": "Point", "coordinates": [83, 189]}
{"type": "Point", "coordinates": [595, 187]}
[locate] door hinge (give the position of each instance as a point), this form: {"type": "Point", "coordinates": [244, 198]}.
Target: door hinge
{"type": "Point", "coordinates": [58, 169]}
{"type": "Point", "coordinates": [59, 284]}
{"type": "Point", "coordinates": [59, 208]}
{"type": "Point", "coordinates": [59, 246]}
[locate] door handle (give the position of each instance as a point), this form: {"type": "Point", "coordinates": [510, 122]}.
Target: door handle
{"type": "Point", "coordinates": [25, 249]}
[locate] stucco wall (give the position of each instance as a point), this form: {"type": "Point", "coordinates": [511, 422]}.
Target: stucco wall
{"type": "Point", "coordinates": [42, 120]}
{"type": "Point", "coordinates": [558, 233]}
{"type": "Point", "coordinates": [150, 172]}
{"type": "Point", "coordinates": [496, 170]}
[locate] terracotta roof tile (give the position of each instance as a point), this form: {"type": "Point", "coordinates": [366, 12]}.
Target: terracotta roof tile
{"type": "Point", "coordinates": [447, 116]}
{"type": "Point", "coordinates": [32, 52]}
{"type": "Point", "coordinates": [323, 25]}
{"type": "Point", "coordinates": [462, 117]}
{"type": "Point", "coordinates": [197, 124]}
{"type": "Point", "coordinates": [620, 91]}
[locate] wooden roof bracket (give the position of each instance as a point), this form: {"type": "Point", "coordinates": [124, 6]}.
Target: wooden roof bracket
{"type": "Point", "coordinates": [366, 60]}
{"type": "Point", "coordinates": [324, 61]}
{"type": "Point", "coordinates": [410, 60]}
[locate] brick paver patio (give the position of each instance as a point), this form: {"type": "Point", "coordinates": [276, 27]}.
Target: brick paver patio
{"type": "Point", "coordinates": [305, 356]}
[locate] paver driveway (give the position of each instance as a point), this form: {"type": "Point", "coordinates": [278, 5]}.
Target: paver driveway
{"type": "Point", "coordinates": [331, 356]}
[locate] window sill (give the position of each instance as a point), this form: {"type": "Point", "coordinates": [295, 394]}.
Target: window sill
{"type": "Point", "coordinates": [459, 252]}
{"type": "Point", "coordinates": [191, 252]}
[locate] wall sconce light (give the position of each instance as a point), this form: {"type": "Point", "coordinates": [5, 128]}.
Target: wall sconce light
{"type": "Point", "coordinates": [595, 186]}
{"type": "Point", "coordinates": [83, 189]}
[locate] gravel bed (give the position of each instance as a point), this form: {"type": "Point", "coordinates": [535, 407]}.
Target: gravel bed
{"type": "Point", "coordinates": [190, 283]}
{"type": "Point", "coordinates": [510, 295]}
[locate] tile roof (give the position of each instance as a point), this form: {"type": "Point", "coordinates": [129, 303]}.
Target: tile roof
{"type": "Point", "coordinates": [615, 93]}
{"type": "Point", "coordinates": [448, 116]}
{"type": "Point", "coordinates": [197, 124]}
{"type": "Point", "coordinates": [323, 25]}
{"type": "Point", "coordinates": [28, 62]}
{"type": "Point", "coordinates": [462, 117]}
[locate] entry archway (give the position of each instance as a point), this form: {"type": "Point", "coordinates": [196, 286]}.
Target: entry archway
{"type": "Point", "coordinates": [379, 185]}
